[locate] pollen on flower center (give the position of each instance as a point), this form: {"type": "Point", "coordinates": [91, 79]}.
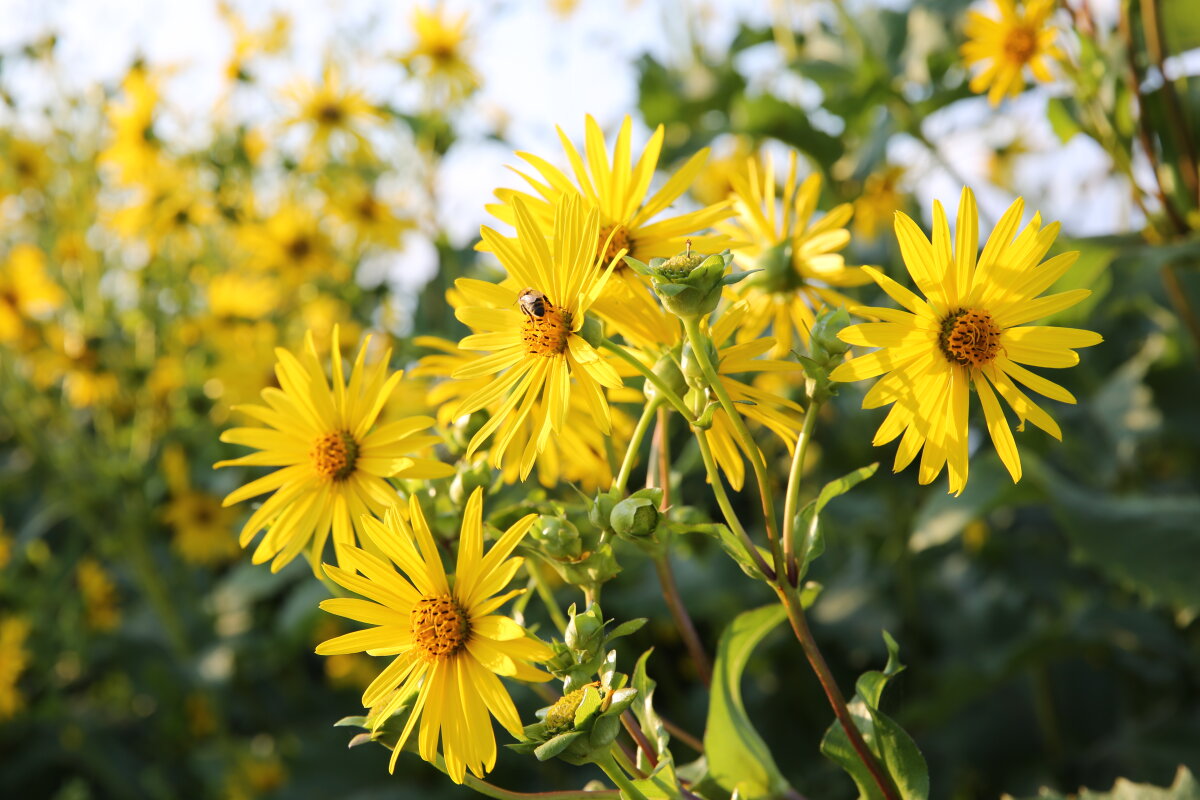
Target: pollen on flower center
{"type": "Point", "coordinates": [547, 335]}
{"type": "Point", "coordinates": [620, 241]}
{"type": "Point", "coordinates": [439, 626]}
{"type": "Point", "coordinates": [1020, 43]}
{"type": "Point", "coordinates": [969, 337]}
{"type": "Point", "coordinates": [334, 455]}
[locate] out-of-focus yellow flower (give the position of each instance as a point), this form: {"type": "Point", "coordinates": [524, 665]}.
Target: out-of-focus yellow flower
{"type": "Point", "coordinates": [1020, 37]}
{"type": "Point", "coordinates": [444, 636]}
{"type": "Point", "coordinates": [14, 658]}
{"type": "Point", "coordinates": [293, 243]}
{"type": "Point", "coordinates": [968, 330]}
{"type": "Point", "coordinates": [345, 670]}
{"type": "Point", "coordinates": [714, 183]}
{"type": "Point", "coordinates": [25, 165]}
{"type": "Point", "coordinates": [248, 43]}
{"type": "Point", "coordinates": [537, 352]}
{"type": "Point", "coordinates": [332, 458]}
{"type": "Point", "coordinates": [1002, 161]}
{"type": "Point", "coordinates": [99, 595]}
{"type": "Point", "coordinates": [798, 256]}
{"type": "Point", "coordinates": [438, 58]}
{"type": "Point", "coordinates": [168, 210]}
{"type": "Point", "coordinates": [881, 198]}
{"type": "Point", "coordinates": [618, 190]}
{"type": "Point", "coordinates": [323, 313]}
{"type": "Point", "coordinates": [72, 359]}
{"type": "Point", "coordinates": [373, 220]}
{"type": "Point", "coordinates": [255, 775]}
{"type": "Point", "coordinates": [335, 113]}
{"type": "Point", "coordinates": [244, 361]}
{"type": "Point", "coordinates": [203, 528]}
{"type": "Point", "coordinates": [242, 295]}
{"type": "Point", "coordinates": [135, 150]}
{"type": "Point", "coordinates": [27, 293]}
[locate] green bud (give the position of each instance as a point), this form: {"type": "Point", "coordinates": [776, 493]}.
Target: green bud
{"type": "Point", "coordinates": [689, 284]}
{"type": "Point", "coordinates": [558, 538]}
{"type": "Point", "coordinates": [826, 346]}
{"type": "Point", "coordinates": [635, 516]}
{"type": "Point", "coordinates": [778, 274]}
{"type": "Point", "coordinates": [667, 370]}
{"type": "Point", "coordinates": [585, 631]}
{"type": "Point", "coordinates": [602, 508]}
{"type": "Point", "coordinates": [468, 479]}
{"type": "Point", "coordinates": [692, 371]}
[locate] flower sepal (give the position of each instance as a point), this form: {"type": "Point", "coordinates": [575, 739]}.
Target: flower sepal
{"type": "Point", "coordinates": [689, 284]}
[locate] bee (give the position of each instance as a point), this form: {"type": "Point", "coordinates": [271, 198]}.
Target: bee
{"type": "Point", "coordinates": [533, 303]}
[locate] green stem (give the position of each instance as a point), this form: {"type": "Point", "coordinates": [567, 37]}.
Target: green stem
{"type": "Point", "coordinates": [683, 621]}
{"type": "Point", "coordinates": [791, 503]}
{"type": "Point", "coordinates": [795, 613]}
{"type": "Point", "coordinates": [618, 776]}
{"type": "Point", "coordinates": [639, 433]}
{"type": "Point", "coordinates": [699, 342]}
{"type": "Point", "coordinates": [546, 596]}
{"type": "Point", "coordinates": [731, 518]}
{"type": "Point", "coordinates": [492, 790]}
{"type": "Point", "coordinates": [663, 390]}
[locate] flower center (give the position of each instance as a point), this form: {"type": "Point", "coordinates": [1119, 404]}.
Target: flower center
{"type": "Point", "coordinates": [1020, 43]}
{"type": "Point", "coordinates": [439, 626]}
{"type": "Point", "coordinates": [620, 241]}
{"type": "Point", "coordinates": [334, 455]}
{"type": "Point", "coordinates": [547, 335]}
{"type": "Point", "coordinates": [330, 113]}
{"type": "Point", "coordinates": [969, 337]}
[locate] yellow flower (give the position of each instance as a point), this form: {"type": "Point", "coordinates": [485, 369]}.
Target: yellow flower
{"type": "Point", "coordinates": [237, 294]}
{"type": "Point", "coordinates": [541, 353]}
{"type": "Point", "coordinates": [438, 57]}
{"type": "Point", "coordinates": [293, 243]}
{"type": "Point", "coordinates": [371, 218]}
{"type": "Point", "coordinates": [880, 200]}
{"type": "Point", "coordinates": [577, 454]}
{"type": "Point", "coordinates": [14, 658]}
{"type": "Point", "coordinates": [1019, 38]}
{"type": "Point", "coordinates": [26, 291]}
{"type": "Point", "coordinates": [203, 527]}
{"type": "Point", "coordinates": [448, 643]}
{"type": "Point", "coordinates": [714, 183]}
{"type": "Point", "coordinates": [798, 256]}
{"type": "Point", "coordinates": [333, 464]}
{"type": "Point", "coordinates": [970, 330]}
{"type": "Point", "coordinates": [618, 190]}
{"type": "Point", "coordinates": [167, 209]}
{"type": "Point", "coordinates": [26, 166]}
{"type": "Point", "coordinates": [334, 112]}
{"type": "Point", "coordinates": [248, 43]}
{"type": "Point", "coordinates": [99, 595]}
{"type": "Point", "coordinates": [135, 150]}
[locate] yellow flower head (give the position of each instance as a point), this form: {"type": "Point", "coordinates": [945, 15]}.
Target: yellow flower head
{"type": "Point", "coordinates": [334, 112]}
{"type": "Point", "coordinates": [619, 190]}
{"type": "Point", "coordinates": [203, 528]}
{"type": "Point", "coordinates": [439, 56]}
{"type": "Point", "coordinates": [14, 658]}
{"type": "Point", "coordinates": [135, 150]}
{"type": "Point", "coordinates": [1019, 38]}
{"type": "Point", "coordinates": [26, 291]}
{"type": "Point", "coordinates": [881, 198]}
{"type": "Point", "coordinates": [798, 256]}
{"type": "Point", "coordinates": [969, 330]}
{"type": "Point", "coordinates": [333, 459]}
{"type": "Point", "coordinates": [99, 595]}
{"type": "Point", "coordinates": [448, 643]}
{"type": "Point", "coordinates": [532, 331]}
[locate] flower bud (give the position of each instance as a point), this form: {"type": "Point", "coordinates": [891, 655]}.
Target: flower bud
{"type": "Point", "coordinates": [689, 284]}
{"type": "Point", "coordinates": [635, 516]}
{"type": "Point", "coordinates": [558, 538]}
{"type": "Point", "coordinates": [602, 508]}
{"type": "Point", "coordinates": [468, 479]}
{"type": "Point", "coordinates": [667, 370]}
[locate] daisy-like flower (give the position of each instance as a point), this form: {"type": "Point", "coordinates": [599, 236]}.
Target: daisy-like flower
{"type": "Point", "coordinates": [798, 256]}
{"type": "Point", "coordinates": [439, 55]}
{"type": "Point", "coordinates": [1004, 47]}
{"type": "Point", "coordinates": [532, 330]}
{"type": "Point", "coordinates": [969, 330]}
{"type": "Point", "coordinates": [449, 644]}
{"type": "Point", "coordinates": [619, 189]}
{"type": "Point", "coordinates": [333, 459]}
{"type": "Point", "coordinates": [333, 110]}
{"type": "Point", "coordinates": [27, 292]}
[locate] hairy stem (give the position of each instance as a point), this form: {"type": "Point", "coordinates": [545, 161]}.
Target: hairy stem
{"type": "Point", "coordinates": [792, 500]}
{"type": "Point", "coordinates": [639, 433]}
{"type": "Point", "coordinates": [731, 518]}
{"type": "Point", "coordinates": [618, 776]}
{"type": "Point", "coordinates": [664, 390]}
{"type": "Point", "coordinates": [683, 621]}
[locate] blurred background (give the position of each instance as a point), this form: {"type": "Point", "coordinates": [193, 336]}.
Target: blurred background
{"type": "Point", "coordinates": [185, 186]}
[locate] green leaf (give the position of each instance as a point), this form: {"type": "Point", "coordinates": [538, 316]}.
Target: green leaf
{"type": "Point", "coordinates": [1150, 544]}
{"type": "Point", "coordinates": [892, 746]}
{"type": "Point", "coordinates": [813, 543]}
{"type": "Point", "coordinates": [1180, 25]}
{"type": "Point", "coordinates": [643, 709]}
{"type": "Point", "coordinates": [1184, 787]}
{"type": "Point", "coordinates": [588, 707]}
{"type": "Point", "coordinates": [738, 758]}
{"type": "Point", "coordinates": [1062, 121]}
{"type": "Point", "coordinates": [556, 745]}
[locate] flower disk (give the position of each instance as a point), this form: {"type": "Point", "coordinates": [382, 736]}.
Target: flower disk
{"type": "Point", "coordinates": [969, 330]}
{"type": "Point", "coordinates": [333, 458]}
{"type": "Point", "coordinates": [448, 645]}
